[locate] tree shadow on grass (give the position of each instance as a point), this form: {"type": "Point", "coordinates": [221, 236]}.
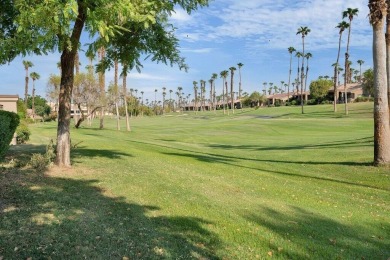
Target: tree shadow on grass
{"type": "Point", "coordinates": [98, 153]}
{"type": "Point", "coordinates": [366, 141]}
{"type": "Point", "coordinates": [300, 234]}
{"type": "Point", "coordinates": [234, 162]}
{"type": "Point", "coordinates": [54, 217]}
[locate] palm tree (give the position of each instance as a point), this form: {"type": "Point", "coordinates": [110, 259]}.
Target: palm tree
{"type": "Point", "coordinates": [381, 114]}
{"type": "Point", "coordinates": [291, 50]}
{"type": "Point", "coordinates": [239, 65]}
{"type": "Point", "coordinates": [360, 62]}
{"type": "Point", "coordinates": [214, 77]}
{"type": "Point", "coordinates": [34, 76]}
{"type": "Point", "coordinates": [27, 64]}
{"type": "Point", "coordinates": [224, 74]}
{"type": "Point", "coordinates": [342, 26]}
{"type": "Point", "coordinates": [298, 54]}
{"type": "Point", "coordinates": [307, 56]}
{"type": "Point", "coordinates": [202, 91]}
{"type": "Point", "coordinates": [179, 90]}
{"type": "Point", "coordinates": [350, 13]}
{"type": "Point", "coordinates": [232, 69]}
{"type": "Point", "coordinates": [195, 83]}
{"type": "Point", "coordinates": [303, 31]}
{"type": "Point", "coordinates": [155, 96]}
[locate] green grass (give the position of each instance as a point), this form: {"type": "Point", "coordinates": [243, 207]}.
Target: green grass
{"type": "Point", "coordinates": [256, 184]}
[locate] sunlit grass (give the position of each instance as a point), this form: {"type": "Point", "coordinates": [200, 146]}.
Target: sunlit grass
{"type": "Point", "coordinates": [256, 184]}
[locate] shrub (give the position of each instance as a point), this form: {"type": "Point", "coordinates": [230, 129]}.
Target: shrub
{"type": "Point", "coordinates": [293, 102]}
{"type": "Point", "coordinates": [363, 99]}
{"type": "Point", "coordinates": [38, 161]}
{"type": "Point", "coordinates": [22, 133]}
{"type": "Point", "coordinates": [326, 102]}
{"type": "Point", "coordinates": [9, 121]}
{"type": "Point", "coordinates": [41, 161]}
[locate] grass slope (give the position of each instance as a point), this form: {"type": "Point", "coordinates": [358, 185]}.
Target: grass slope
{"type": "Point", "coordinates": [257, 184]}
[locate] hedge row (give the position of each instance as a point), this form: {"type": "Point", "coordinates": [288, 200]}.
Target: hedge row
{"type": "Point", "coordinates": [8, 123]}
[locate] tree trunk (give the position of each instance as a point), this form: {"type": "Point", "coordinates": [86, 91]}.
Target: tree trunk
{"type": "Point", "coordinates": [26, 89]}
{"type": "Point", "coordinates": [125, 102]}
{"type": "Point", "coordinates": [335, 94]}
{"type": "Point", "coordinates": [102, 90]}
{"type": "Point", "coordinates": [227, 97]}
{"type": "Point", "coordinates": [302, 72]}
{"type": "Point", "coordinates": [33, 102]}
{"type": "Point", "coordinates": [381, 109]}
{"type": "Point", "coordinates": [387, 53]}
{"type": "Point", "coordinates": [231, 90]}
{"type": "Point", "coordinates": [67, 78]}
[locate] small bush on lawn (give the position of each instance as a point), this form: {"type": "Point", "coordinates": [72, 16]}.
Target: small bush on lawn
{"type": "Point", "coordinates": [22, 133]}
{"type": "Point", "coordinates": [9, 121]}
{"type": "Point", "coordinates": [41, 161]}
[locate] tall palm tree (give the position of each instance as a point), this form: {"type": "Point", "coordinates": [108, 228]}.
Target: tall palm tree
{"type": "Point", "coordinates": [360, 62]}
{"type": "Point", "coordinates": [239, 65]}
{"type": "Point", "coordinates": [224, 74]}
{"type": "Point", "coordinates": [381, 114]}
{"type": "Point", "coordinates": [291, 50]}
{"type": "Point", "coordinates": [163, 95]}
{"type": "Point", "coordinates": [341, 26]}
{"type": "Point", "coordinates": [202, 91]}
{"type": "Point", "coordinates": [232, 69]}
{"type": "Point", "coordinates": [214, 77]}
{"type": "Point", "coordinates": [307, 56]}
{"type": "Point", "coordinates": [34, 76]}
{"type": "Point", "coordinates": [155, 96]}
{"type": "Point", "coordinates": [179, 90]}
{"type": "Point", "coordinates": [27, 64]}
{"type": "Point", "coordinates": [350, 13]}
{"type": "Point", "coordinates": [303, 31]}
{"type": "Point", "coordinates": [298, 54]}
{"type": "Point", "coordinates": [195, 83]}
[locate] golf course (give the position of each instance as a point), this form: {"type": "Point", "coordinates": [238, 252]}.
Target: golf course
{"type": "Point", "coordinates": [256, 184]}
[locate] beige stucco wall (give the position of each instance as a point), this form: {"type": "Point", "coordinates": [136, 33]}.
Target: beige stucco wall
{"type": "Point", "coordinates": [9, 102]}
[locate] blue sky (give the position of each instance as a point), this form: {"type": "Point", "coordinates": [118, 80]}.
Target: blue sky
{"type": "Point", "coordinates": [256, 33]}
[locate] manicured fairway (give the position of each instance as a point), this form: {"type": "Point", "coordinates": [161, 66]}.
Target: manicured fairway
{"type": "Point", "coordinates": [257, 184]}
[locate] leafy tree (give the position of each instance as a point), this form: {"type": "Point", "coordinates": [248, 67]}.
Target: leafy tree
{"type": "Point", "coordinates": [377, 15]}
{"type": "Point", "coordinates": [57, 25]}
{"type": "Point", "coordinates": [368, 82]}
{"type": "Point", "coordinates": [319, 88]}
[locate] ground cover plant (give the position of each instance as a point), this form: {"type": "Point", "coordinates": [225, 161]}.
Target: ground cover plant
{"type": "Point", "coordinates": [257, 184]}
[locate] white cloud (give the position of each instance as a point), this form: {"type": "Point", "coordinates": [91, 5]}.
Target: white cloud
{"type": "Point", "coordinates": [261, 22]}
{"type": "Point", "coordinates": [202, 50]}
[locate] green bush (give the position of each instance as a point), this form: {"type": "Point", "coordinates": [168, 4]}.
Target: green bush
{"type": "Point", "coordinates": [364, 99]}
{"type": "Point", "coordinates": [326, 102]}
{"type": "Point", "coordinates": [9, 121]}
{"type": "Point", "coordinates": [22, 133]}
{"type": "Point", "coordinates": [41, 161]}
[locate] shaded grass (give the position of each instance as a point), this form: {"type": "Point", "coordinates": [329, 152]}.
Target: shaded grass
{"type": "Point", "coordinates": [258, 183]}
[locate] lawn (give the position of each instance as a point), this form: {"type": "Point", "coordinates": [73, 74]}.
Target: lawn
{"type": "Point", "coordinates": [257, 184]}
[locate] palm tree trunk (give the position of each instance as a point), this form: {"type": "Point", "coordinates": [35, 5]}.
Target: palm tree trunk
{"type": "Point", "coordinates": [335, 93]}
{"type": "Point", "coordinates": [381, 106]}
{"type": "Point", "coordinates": [231, 90]}
{"type": "Point", "coordinates": [223, 95]}
{"type": "Point", "coordinates": [302, 72]}
{"type": "Point", "coordinates": [227, 97]}
{"type": "Point", "coordinates": [33, 101]}
{"type": "Point", "coordinates": [346, 69]}
{"type": "Point", "coordinates": [26, 88]}
{"type": "Point", "coordinates": [289, 79]}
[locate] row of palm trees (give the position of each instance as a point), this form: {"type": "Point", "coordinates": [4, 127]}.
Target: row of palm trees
{"type": "Point", "coordinates": [34, 76]}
